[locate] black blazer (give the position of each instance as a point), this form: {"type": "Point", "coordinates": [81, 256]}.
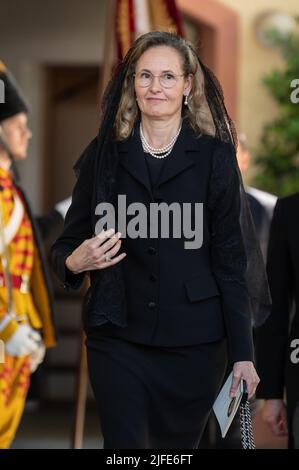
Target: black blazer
{"type": "Point", "coordinates": [172, 296]}
{"type": "Point", "coordinates": [274, 338]}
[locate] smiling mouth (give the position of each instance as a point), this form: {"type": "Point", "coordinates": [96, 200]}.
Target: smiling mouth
{"type": "Point", "coordinates": [154, 99]}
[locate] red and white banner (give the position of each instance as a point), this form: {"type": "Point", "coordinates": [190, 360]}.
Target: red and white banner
{"type": "Point", "coordinates": [136, 17]}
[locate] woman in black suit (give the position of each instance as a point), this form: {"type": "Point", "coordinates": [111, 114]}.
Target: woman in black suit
{"type": "Point", "coordinates": [161, 310]}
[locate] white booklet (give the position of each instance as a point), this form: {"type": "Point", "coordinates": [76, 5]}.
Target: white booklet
{"type": "Point", "coordinates": [226, 407]}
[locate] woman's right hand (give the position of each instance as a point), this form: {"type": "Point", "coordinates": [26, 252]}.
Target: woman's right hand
{"type": "Point", "coordinates": [90, 255]}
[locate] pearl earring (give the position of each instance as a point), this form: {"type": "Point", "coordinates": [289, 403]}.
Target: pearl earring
{"type": "Point", "coordinates": [186, 100]}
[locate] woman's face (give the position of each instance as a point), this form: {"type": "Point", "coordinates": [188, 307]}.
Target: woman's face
{"type": "Point", "coordinates": [156, 101]}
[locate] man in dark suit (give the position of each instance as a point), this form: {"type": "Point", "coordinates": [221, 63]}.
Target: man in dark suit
{"type": "Point", "coordinates": [260, 202]}
{"type": "Point", "coordinates": [278, 338]}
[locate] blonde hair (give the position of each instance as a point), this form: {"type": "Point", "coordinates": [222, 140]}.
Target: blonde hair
{"type": "Point", "coordinates": [197, 112]}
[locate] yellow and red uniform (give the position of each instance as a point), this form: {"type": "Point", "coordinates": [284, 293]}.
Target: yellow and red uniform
{"type": "Point", "coordinates": [31, 301]}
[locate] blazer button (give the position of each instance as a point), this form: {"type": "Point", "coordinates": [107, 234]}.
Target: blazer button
{"type": "Point", "coordinates": [153, 278]}
{"type": "Point", "coordinates": [152, 304]}
{"type": "Point", "coordinates": [151, 250]}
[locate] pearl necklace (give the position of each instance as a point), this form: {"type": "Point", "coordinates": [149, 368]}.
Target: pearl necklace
{"type": "Point", "coordinates": [156, 152]}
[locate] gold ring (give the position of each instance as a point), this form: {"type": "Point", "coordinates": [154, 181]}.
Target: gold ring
{"type": "Point", "coordinates": [107, 258]}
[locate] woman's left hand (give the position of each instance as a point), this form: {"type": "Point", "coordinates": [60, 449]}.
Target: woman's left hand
{"type": "Point", "coordinates": [244, 370]}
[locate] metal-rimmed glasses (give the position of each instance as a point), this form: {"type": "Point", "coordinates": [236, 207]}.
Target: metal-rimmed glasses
{"type": "Point", "coordinates": [166, 79]}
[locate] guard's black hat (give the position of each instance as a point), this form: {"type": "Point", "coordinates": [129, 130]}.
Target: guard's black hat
{"type": "Point", "coordinates": [12, 100]}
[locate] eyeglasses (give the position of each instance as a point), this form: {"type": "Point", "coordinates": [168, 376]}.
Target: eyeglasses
{"type": "Point", "coordinates": [167, 79]}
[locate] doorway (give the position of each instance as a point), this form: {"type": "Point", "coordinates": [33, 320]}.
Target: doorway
{"type": "Point", "coordinates": [71, 120]}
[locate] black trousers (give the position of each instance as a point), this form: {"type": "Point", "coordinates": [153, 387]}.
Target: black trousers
{"type": "Point", "coordinates": [152, 397]}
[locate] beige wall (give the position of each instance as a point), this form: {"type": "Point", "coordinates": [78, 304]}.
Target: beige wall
{"type": "Point", "coordinates": [256, 106]}
{"type": "Point", "coordinates": [37, 33]}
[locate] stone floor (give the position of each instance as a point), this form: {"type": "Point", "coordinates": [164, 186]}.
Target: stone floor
{"type": "Point", "coordinates": [50, 427]}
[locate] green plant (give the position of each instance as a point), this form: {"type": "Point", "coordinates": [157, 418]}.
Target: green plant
{"type": "Point", "coordinates": [277, 157]}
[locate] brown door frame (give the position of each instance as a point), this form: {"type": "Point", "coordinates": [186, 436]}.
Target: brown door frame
{"type": "Point", "coordinates": [223, 55]}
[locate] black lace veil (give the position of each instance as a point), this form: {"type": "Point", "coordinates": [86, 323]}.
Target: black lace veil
{"type": "Point", "coordinates": [256, 277]}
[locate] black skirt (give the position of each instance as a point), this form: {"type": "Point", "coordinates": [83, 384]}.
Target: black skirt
{"type": "Point", "coordinates": [153, 397]}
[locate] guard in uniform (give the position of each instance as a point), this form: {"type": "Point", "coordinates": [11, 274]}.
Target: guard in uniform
{"type": "Point", "coordinates": [26, 320]}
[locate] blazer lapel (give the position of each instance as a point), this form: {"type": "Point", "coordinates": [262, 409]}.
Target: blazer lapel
{"type": "Point", "coordinates": [132, 156]}
{"type": "Point", "coordinates": [179, 159]}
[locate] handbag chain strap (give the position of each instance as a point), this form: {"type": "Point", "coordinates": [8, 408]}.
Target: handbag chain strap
{"type": "Point", "coordinates": [247, 438]}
